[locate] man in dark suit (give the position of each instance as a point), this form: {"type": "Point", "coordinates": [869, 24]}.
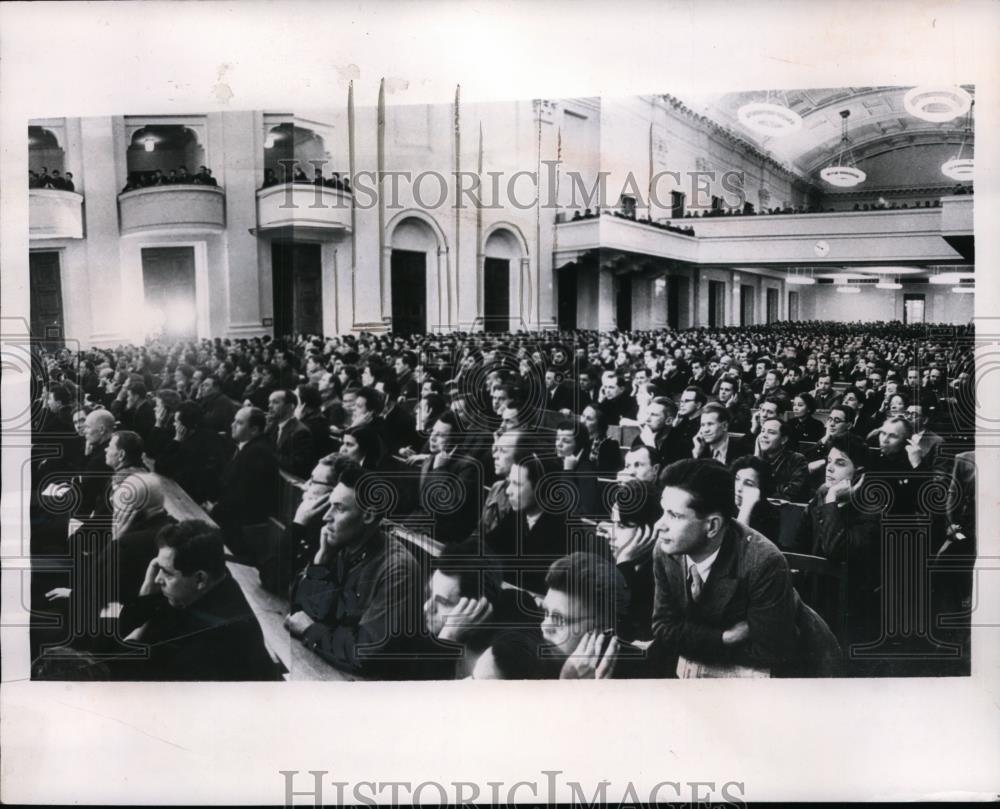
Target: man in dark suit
{"type": "Point", "coordinates": [658, 431]}
{"type": "Point", "coordinates": [724, 603]}
{"type": "Point", "coordinates": [700, 376]}
{"type": "Point", "coordinates": [217, 408]}
{"type": "Point", "coordinates": [192, 615]}
{"type": "Point", "coordinates": [310, 414]}
{"type": "Point", "coordinates": [614, 400]}
{"type": "Point", "coordinates": [713, 439]}
{"type": "Point", "coordinates": [739, 413]}
{"type": "Point", "coordinates": [404, 365]}
{"type": "Point", "coordinates": [92, 482]}
{"type": "Point", "coordinates": [291, 439]}
{"type": "Point", "coordinates": [558, 396]}
{"type": "Point", "coordinates": [138, 414]}
{"type": "Point", "coordinates": [249, 487]}
{"type": "Point", "coordinates": [789, 470]}
{"type": "Point", "coordinates": [587, 388]}
{"type": "Point", "coordinates": [687, 422]}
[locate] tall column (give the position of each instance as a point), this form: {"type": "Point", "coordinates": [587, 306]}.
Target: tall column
{"type": "Point", "coordinates": [102, 281]}
{"type": "Point", "coordinates": [239, 280]}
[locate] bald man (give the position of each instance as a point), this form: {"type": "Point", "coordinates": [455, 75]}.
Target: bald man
{"type": "Point", "coordinates": [95, 473]}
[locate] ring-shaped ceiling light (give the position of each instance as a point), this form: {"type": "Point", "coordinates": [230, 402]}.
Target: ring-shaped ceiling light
{"type": "Point", "coordinates": [937, 104]}
{"type": "Point", "coordinates": [765, 118]}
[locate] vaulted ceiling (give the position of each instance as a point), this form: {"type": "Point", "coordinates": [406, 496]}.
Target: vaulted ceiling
{"type": "Point", "coordinates": [896, 148]}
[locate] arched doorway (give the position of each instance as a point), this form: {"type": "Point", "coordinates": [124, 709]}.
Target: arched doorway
{"type": "Point", "coordinates": [414, 253]}
{"type": "Point", "coordinates": [501, 266]}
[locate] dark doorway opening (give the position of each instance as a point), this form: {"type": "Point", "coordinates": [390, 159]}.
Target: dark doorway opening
{"type": "Point", "coordinates": [793, 306]}
{"type": "Point", "coordinates": [716, 302]}
{"type": "Point", "coordinates": [169, 291]}
{"type": "Point", "coordinates": [567, 296]}
{"type": "Point", "coordinates": [409, 292]}
{"type": "Point", "coordinates": [673, 301]}
{"type": "Point", "coordinates": [297, 282]}
{"type": "Point", "coordinates": [496, 294]}
{"type": "Point", "coordinates": [46, 298]}
{"type": "Point", "coordinates": [677, 204]}
{"type": "Point", "coordinates": [746, 304]}
{"type": "Point", "coordinates": [772, 305]}
{"type": "Point", "coordinates": [623, 302]}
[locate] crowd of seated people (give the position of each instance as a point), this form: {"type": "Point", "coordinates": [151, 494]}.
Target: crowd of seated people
{"type": "Point", "coordinates": [631, 215]}
{"type": "Point", "coordinates": [177, 176]}
{"type": "Point", "coordinates": [341, 182]}
{"type": "Point", "coordinates": [879, 205]}
{"type": "Point", "coordinates": [556, 504]}
{"type": "Point", "coordinates": [51, 179]}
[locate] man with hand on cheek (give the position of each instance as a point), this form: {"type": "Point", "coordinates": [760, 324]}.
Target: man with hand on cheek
{"type": "Point", "coordinates": [192, 615]}
{"type": "Point", "coordinates": [358, 604]}
{"type": "Point", "coordinates": [724, 604]}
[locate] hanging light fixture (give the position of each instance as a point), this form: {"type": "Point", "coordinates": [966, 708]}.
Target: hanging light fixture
{"type": "Point", "coordinates": [770, 118]}
{"type": "Point", "coordinates": [848, 289]}
{"type": "Point", "coordinates": [271, 140]}
{"type": "Point", "coordinates": [149, 142]}
{"type": "Point", "coordinates": [964, 290]}
{"type": "Point", "coordinates": [888, 284]}
{"type": "Point", "coordinates": [948, 278]}
{"type": "Point", "coordinates": [937, 104]}
{"type": "Point", "coordinates": [961, 168]}
{"type": "Point", "coordinates": [800, 279]}
{"type": "Point", "coordinates": [843, 173]}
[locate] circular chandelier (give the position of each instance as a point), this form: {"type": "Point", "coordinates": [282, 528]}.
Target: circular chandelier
{"type": "Point", "coordinates": [948, 278]}
{"type": "Point", "coordinates": [843, 173]}
{"type": "Point", "coordinates": [961, 168]}
{"type": "Point", "coordinates": [800, 279]}
{"type": "Point", "coordinates": [937, 104]}
{"type": "Point", "coordinates": [769, 119]}
{"type": "Point", "coordinates": [888, 285]}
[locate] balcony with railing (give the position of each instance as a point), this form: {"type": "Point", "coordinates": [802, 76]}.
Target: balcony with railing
{"type": "Point", "coordinates": [304, 211]}
{"type": "Point", "coordinates": [54, 214]}
{"type": "Point", "coordinates": [172, 208]}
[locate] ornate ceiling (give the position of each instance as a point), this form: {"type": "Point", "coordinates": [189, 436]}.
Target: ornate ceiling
{"type": "Point", "coordinates": [878, 126]}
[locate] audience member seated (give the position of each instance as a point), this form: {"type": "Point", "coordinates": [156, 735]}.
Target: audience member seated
{"type": "Point", "coordinates": [802, 426]}
{"type": "Point", "coordinates": [724, 604]}
{"type": "Point", "coordinates": [356, 604]}
{"type": "Point", "coordinates": [604, 454]}
{"type": "Point", "coordinates": [191, 616]}
{"type": "Point", "coordinates": [534, 533]}
{"type": "Point", "coordinates": [789, 472]}
{"type": "Point", "coordinates": [290, 438]}
{"type": "Point", "coordinates": [195, 458]}
{"type": "Point", "coordinates": [248, 487]}
{"type": "Point", "coordinates": [753, 487]}
{"type": "Point", "coordinates": [635, 510]}
{"type": "Point", "coordinates": [713, 439]}
{"type": "Point", "coordinates": [465, 605]}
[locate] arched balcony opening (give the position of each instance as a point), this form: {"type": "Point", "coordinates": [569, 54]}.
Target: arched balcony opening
{"type": "Point", "coordinates": [166, 154]}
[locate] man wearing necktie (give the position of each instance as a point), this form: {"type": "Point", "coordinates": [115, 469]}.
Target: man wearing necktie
{"type": "Point", "coordinates": [724, 603]}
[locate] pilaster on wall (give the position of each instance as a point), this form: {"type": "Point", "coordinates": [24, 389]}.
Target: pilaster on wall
{"type": "Point", "coordinates": [101, 278]}
{"type": "Point", "coordinates": [606, 317]}
{"type": "Point", "coordinates": [239, 134]}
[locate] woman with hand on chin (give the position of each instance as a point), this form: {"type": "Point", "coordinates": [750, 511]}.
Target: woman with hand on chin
{"type": "Point", "coordinates": [837, 527]}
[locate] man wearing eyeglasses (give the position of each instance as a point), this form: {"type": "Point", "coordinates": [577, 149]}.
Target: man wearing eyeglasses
{"type": "Point", "coordinates": [837, 423]}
